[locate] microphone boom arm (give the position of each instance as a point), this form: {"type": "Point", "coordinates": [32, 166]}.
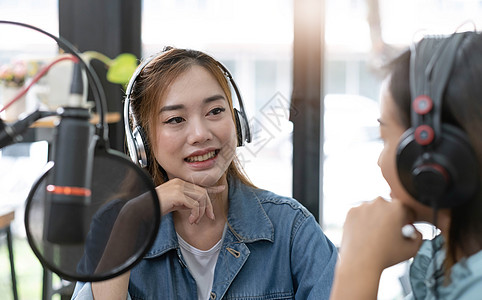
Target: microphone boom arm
{"type": "Point", "coordinates": [10, 134]}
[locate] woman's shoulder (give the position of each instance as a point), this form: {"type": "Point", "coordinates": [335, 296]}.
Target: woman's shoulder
{"type": "Point", "coordinates": [264, 196]}
{"type": "Point", "coordinates": [267, 198]}
{"type": "Point", "coordinates": [244, 197]}
{"type": "Point", "coordinates": [465, 275]}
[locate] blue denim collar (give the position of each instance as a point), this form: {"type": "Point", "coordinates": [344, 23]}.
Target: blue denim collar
{"type": "Point", "coordinates": [247, 220]}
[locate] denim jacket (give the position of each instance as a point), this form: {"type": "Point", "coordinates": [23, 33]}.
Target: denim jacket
{"type": "Point", "coordinates": [273, 249]}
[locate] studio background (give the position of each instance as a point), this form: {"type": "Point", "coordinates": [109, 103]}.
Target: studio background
{"type": "Point", "coordinates": [255, 40]}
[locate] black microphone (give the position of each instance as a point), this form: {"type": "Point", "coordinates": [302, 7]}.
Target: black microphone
{"type": "Point", "coordinates": [10, 134]}
{"type": "Point", "coordinates": [69, 192]}
{"type": "Point", "coordinates": [76, 86]}
{"type": "Point", "coordinates": [69, 187]}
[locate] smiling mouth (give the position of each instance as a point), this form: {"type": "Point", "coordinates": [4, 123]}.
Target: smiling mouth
{"type": "Point", "coordinates": [199, 158]}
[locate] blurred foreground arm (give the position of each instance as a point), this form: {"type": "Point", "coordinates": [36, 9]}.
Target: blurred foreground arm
{"type": "Point", "coordinates": [372, 241]}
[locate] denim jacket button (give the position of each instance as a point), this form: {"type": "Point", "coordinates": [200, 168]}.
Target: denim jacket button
{"type": "Point", "coordinates": [213, 296]}
{"type": "Point", "coordinates": [235, 253]}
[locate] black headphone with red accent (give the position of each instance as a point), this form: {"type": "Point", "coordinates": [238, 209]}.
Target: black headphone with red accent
{"type": "Point", "coordinates": [435, 161]}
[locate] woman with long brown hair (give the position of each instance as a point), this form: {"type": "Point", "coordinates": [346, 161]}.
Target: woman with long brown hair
{"type": "Point", "coordinates": [220, 236]}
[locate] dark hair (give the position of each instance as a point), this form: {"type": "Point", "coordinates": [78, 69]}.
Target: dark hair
{"type": "Point", "coordinates": [150, 87]}
{"type": "Point", "coordinates": [461, 107]}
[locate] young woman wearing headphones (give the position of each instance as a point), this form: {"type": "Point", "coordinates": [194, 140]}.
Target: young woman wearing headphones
{"type": "Point", "coordinates": [430, 123]}
{"type": "Point", "coordinates": [220, 236]}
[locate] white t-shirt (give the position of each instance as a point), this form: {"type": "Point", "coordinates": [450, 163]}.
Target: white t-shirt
{"type": "Point", "coordinates": [201, 264]}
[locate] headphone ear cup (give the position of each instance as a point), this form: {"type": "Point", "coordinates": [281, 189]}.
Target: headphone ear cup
{"type": "Point", "coordinates": [242, 128]}
{"type": "Point", "coordinates": [141, 145]}
{"type": "Point", "coordinates": [447, 173]}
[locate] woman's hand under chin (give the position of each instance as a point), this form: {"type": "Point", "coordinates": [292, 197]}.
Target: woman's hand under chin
{"type": "Point", "coordinates": [179, 195]}
{"type": "Point", "coordinates": [373, 231]}
{"type": "Point", "coordinates": [372, 241]}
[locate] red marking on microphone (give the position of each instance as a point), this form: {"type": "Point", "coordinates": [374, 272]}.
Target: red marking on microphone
{"type": "Point", "coordinates": [68, 190]}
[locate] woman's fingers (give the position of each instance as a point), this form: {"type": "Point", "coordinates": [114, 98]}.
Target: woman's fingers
{"type": "Point", "coordinates": [372, 231]}
{"type": "Point", "coordinates": [177, 194]}
{"type": "Point", "coordinates": [203, 197]}
{"type": "Point", "coordinates": [212, 193]}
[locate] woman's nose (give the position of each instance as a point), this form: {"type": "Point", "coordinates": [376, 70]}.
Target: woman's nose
{"type": "Point", "coordinates": [199, 132]}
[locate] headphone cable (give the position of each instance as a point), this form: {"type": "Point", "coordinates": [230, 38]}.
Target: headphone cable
{"type": "Point", "coordinates": [434, 249]}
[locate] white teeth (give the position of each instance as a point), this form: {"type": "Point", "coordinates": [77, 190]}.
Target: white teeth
{"type": "Point", "coordinates": [204, 157]}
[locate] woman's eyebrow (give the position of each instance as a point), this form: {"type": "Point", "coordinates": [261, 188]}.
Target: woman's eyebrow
{"type": "Point", "coordinates": [214, 98]}
{"type": "Point", "coordinates": [171, 107]}
{"type": "Point", "coordinates": [181, 106]}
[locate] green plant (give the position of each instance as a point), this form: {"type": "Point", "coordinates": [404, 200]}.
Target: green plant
{"type": "Point", "coordinates": [120, 69]}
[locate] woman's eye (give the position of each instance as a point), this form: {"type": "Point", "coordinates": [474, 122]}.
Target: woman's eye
{"type": "Point", "coordinates": [217, 110]}
{"type": "Point", "coordinates": [175, 120]}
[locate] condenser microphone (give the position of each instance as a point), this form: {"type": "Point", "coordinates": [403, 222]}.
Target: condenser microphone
{"type": "Point", "coordinates": [73, 217]}
{"type": "Point", "coordinates": [10, 134]}
{"type": "Point", "coordinates": [69, 188]}
{"type": "Point", "coordinates": [69, 192]}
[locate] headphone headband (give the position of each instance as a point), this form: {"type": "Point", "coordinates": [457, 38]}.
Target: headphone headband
{"type": "Point", "coordinates": [435, 161]}
{"type": "Point", "coordinates": [431, 63]}
{"type": "Point", "coordinates": [135, 152]}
